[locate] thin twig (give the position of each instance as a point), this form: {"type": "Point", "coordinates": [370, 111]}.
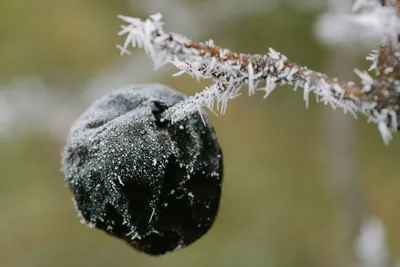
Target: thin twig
{"type": "Point", "coordinates": [378, 99]}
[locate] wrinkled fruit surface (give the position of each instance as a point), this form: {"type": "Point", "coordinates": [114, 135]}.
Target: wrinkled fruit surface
{"type": "Point", "coordinates": [137, 176]}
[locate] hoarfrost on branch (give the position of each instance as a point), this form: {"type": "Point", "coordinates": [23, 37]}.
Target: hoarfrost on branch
{"type": "Point", "coordinates": [377, 97]}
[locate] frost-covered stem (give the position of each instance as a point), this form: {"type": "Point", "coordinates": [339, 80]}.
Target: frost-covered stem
{"type": "Point", "coordinates": [377, 99]}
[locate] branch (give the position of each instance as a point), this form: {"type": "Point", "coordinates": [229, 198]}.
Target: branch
{"type": "Point", "coordinates": [377, 99]}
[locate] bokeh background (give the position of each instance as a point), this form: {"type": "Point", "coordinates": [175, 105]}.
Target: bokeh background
{"type": "Point", "coordinates": [300, 184]}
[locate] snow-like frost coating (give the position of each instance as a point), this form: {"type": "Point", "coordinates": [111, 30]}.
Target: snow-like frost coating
{"type": "Point", "coordinates": [139, 177]}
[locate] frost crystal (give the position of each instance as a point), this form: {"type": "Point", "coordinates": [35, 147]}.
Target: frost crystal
{"type": "Point", "coordinates": [123, 160]}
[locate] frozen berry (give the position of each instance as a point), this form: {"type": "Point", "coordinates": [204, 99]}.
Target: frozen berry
{"type": "Point", "coordinates": [139, 177]}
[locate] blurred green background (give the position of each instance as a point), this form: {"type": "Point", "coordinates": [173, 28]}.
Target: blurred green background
{"type": "Point", "coordinates": [297, 180]}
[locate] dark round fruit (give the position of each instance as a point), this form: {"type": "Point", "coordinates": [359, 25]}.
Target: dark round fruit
{"type": "Point", "coordinates": [139, 177]}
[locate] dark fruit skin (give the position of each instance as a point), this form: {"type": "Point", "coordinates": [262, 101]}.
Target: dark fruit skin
{"type": "Point", "coordinates": [139, 177]}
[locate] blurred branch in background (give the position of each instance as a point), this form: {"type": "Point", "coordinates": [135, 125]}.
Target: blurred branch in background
{"type": "Point", "coordinates": [342, 170]}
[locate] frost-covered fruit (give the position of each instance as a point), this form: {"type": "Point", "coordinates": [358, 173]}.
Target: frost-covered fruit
{"type": "Point", "coordinates": [139, 177]}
